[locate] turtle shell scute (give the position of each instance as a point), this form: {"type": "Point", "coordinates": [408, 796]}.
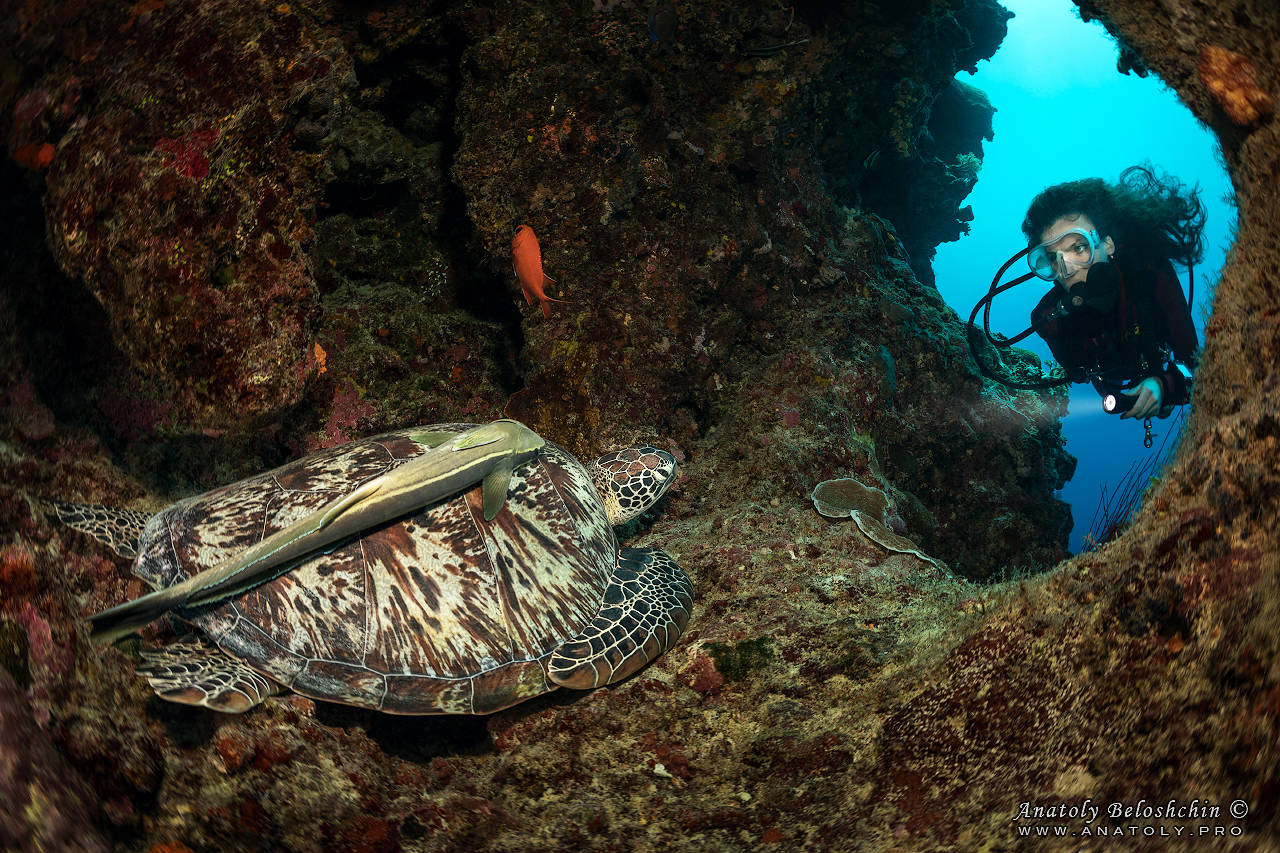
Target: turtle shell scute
{"type": "Point", "coordinates": [436, 612]}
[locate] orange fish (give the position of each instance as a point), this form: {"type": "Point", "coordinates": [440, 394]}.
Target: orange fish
{"type": "Point", "coordinates": [527, 263]}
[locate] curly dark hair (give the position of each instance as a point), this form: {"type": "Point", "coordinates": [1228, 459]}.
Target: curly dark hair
{"type": "Point", "coordinates": [1146, 215]}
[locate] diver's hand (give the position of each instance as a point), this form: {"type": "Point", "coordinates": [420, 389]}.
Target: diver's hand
{"type": "Point", "coordinates": [1103, 277]}
{"type": "Point", "coordinates": [1101, 288]}
{"type": "Point", "coordinates": [1150, 394]}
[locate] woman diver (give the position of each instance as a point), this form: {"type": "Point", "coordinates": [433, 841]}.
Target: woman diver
{"type": "Point", "coordinates": [1116, 315]}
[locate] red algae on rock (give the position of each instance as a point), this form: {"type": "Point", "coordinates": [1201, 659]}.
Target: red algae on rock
{"type": "Point", "coordinates": [17, 573]}
{"type": "Point", "coordinates": [46, 804]}
{"type": "Point", "coordinates": [28, 414]}
{"type": "Point", "coordinates": [169, 847]}
{"type": "Point", "coordinates": [177, 186]}
{"type": "Point", "coordinates": [703, 676]}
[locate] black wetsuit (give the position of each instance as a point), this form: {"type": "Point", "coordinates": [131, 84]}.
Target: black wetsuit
{"type": "Point", "coordinates": [1134, 316]}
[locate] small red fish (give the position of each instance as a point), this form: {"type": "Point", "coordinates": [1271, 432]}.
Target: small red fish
{"type": "Point", "coordinates": [527, 262]}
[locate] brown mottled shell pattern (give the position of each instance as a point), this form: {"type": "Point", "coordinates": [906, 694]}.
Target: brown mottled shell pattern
{"type": "Point", "coordinates": [439, 612]}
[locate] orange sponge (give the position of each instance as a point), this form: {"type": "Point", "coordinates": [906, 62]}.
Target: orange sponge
{"type": "Point", "coordinates": [1230, 78]}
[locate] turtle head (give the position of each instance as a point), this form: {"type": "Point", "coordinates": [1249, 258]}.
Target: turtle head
{"type": "Point", "coordinates": [630, 481]}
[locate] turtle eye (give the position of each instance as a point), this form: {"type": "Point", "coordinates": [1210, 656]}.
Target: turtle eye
{"type": "Point", "coordinates": [659, 464]}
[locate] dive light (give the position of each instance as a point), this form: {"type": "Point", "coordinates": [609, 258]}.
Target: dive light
{"type": "Point", "coordinates": [1118, 403]}
{"type": "Point", "coordinates": [1066, 305]}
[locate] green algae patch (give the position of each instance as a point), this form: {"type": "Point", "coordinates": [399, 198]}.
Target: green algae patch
{"type": "Point", "coordinates": [736, 661]}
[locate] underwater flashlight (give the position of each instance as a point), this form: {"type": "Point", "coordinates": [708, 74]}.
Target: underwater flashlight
{"type": "Point", "coordinates": [1066, 305]}
{"type": "Point", "coordinates": [1113, 403]}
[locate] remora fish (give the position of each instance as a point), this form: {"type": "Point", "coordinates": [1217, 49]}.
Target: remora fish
{"type": "Point", "coordinates": [487, 455]}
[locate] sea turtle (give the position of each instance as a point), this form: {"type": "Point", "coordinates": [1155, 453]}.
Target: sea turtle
{"type": "Point", "coordinates": [434, 611]}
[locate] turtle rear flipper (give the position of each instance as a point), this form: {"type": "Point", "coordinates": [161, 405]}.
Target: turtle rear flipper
{"type": "Point", "coordinates": [644, 612]}
{"type": "Point", "coordinates": [196, 672]}
{"type": "Point", "coordinates": [118, 529]}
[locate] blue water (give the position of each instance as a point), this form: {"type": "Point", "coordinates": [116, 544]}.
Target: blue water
{"type": "Point", "coordinates": [1064, 112]}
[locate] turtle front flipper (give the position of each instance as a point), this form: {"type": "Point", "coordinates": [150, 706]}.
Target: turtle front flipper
{"type": "Point", "coordinates": [644, 612]}
{"type": "Point", "coordinates": [194, 671]}
{"type": "Point", "coordinates": [118, 529]}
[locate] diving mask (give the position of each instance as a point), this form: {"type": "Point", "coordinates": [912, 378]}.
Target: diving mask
{"type": "Point", "coordinates": [1067, 253]}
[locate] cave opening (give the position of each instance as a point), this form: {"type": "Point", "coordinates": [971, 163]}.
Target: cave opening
{"type": "Point", "coordinates": [1065, 111]}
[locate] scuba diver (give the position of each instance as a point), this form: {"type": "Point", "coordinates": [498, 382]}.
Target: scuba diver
{"type": "Point", "coordinates": [1116, 315]}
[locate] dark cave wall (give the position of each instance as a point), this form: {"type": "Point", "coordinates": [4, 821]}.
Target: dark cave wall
{"type": "Point", "coordinates": [909, 148]}
{"type": "Point", "coordinates": [922, 193]}
{"type": "Point", "coordinates": [1147, 669]}
{"type": "Point", "coordinates": [322, 249]}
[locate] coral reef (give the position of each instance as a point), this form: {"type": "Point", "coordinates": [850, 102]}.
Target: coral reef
{"type": "Point", "coordinates": [175, 192]}
{"type": "Point", "coordinates": [273, 226]}
{"type": "Point", "coordinates": [934, 124]}
{"type": "Point", "coordinates": [920, 191]}
{"type": "Point", "coordinates": [46, 803]}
